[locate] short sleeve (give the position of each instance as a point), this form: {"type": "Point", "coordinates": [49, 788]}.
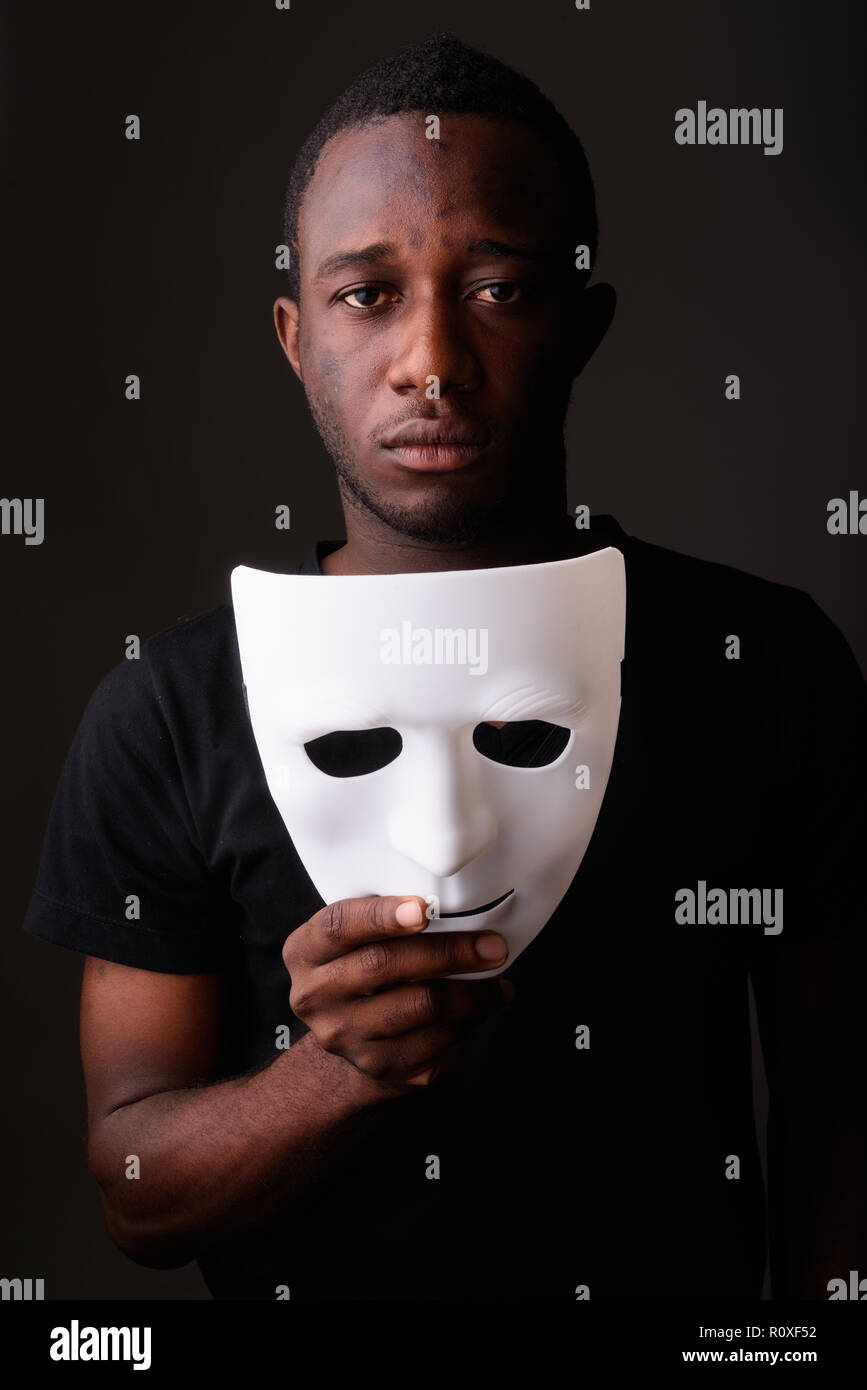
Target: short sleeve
{"type": "Point", "coordinates": [820, 718]}
{"type": "Point", "coordinates": [121, 874]}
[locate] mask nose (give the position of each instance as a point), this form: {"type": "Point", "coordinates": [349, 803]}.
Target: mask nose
{"type": "Point", "coordinates": [440, 818]}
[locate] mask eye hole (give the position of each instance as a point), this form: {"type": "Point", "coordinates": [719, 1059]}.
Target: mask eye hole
{"type": "Point", "coordinates": [522, 742]}
{"type": "Point", "coordinates": [353, 752]}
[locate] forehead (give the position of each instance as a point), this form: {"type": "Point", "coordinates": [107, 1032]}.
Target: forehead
{"type": "Point", "coordinates": [388, 177]}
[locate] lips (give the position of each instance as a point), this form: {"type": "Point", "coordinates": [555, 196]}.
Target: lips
{"type": "Point", "coordinates": [445, 431]}
{"type": "Point", "coordinates": [437, 446]}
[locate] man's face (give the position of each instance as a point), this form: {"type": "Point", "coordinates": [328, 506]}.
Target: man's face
{"type": "Point", "coordinates": [450, 259]}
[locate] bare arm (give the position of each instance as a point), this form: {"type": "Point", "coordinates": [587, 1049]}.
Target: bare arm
{"type": "Point", "coordinates": [217, 1157]}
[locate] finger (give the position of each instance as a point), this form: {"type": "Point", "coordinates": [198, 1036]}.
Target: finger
{"type": "Point", "coordinates": [445, 1063]}
{"type": "Point", "coordinates": [400, 1059]}
{"type": "Point", "coordinates": [352, 922]}
{"type": "Point", "coordinates": [381, 964]}
{"type": "Point", "coordinates": [425, 1003]}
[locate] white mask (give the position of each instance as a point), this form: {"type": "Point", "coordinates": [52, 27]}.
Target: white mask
{"type": "Point", "coordinates": [433, 656]}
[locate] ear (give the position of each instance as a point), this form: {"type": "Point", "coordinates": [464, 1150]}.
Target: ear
{"type": "Point", "coordinates": [286, 323]}
{"type": "Point", "coordinates": [595, 311]}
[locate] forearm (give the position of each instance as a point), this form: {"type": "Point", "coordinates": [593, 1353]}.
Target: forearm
{"type": "Point", "coordinates": [817, 1174]}
{"type": "Point", "coordinates": [215, 1160]}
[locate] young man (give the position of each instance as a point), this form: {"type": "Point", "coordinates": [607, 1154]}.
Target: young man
{"type": "Point", "coordinates": [436, 320]}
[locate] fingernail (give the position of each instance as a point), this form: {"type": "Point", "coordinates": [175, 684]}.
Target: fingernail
{"type": "Point", "coordinates": [491, 946]}
{"type": "Point", "coordinates": [409, 913]}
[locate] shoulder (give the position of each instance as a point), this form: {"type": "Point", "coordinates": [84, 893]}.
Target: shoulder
{"type": "Point", "coordinates": [791, 667]}
{"type": "Point", "coordinates": [182, 673]}
{"type": "Point", "coordinates": [681, 593]}
{"type": "Point", "coordinates": [687, 582]}
{"type": "Point", "coordinates": [193, 643]}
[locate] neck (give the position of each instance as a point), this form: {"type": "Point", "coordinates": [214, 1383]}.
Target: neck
{"type": "Point", "coordinates": [372, 547]}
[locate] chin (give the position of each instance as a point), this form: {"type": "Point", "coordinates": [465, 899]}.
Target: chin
{"type": "Point", "coordinates": [447, 514]}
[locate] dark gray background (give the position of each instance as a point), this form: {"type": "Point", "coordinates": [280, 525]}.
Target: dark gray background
{"type": "Point", "coordinates": [157, 258]}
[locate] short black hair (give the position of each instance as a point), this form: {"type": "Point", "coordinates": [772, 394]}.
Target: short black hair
{"type": "Point", "coordinates": [440, 74]}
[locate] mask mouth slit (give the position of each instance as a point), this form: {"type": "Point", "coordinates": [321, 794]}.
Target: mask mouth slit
{"type": "Point", "coordinates": [474, 911]}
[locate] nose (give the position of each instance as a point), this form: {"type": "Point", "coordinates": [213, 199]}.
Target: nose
{"type": "Point", "coordinates": [440, 818]}
{"type": "Point", "coordinates": [432, 341]}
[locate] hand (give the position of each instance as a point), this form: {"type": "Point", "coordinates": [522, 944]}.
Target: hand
{"type": "Point", "coordinates": [370, 989]}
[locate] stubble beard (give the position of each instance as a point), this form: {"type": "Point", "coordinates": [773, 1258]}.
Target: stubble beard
{"type": "Point", "coordinates": [440, 518]}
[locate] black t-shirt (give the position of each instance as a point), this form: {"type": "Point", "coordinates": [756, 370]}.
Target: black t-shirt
{"type": "Point", "coordinates": [559, 1165]}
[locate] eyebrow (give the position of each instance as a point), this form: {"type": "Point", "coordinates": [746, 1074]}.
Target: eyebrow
{"type": "Point", "coordinates": [348, 260]}
{"type": "Point", "coordinates": [486, 247]}
{"type": "Point", "coordinates": [385, 250]}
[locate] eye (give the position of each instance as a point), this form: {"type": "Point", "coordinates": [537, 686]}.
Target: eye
{"type": "Point", "coordinates": [354, 752]}
{"type": "Point", "coordinates": [360, 292]}
{"type": "Point", "coordinates": [521, 743]}
{"type": "Point", "coordinates": [503, 291]}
